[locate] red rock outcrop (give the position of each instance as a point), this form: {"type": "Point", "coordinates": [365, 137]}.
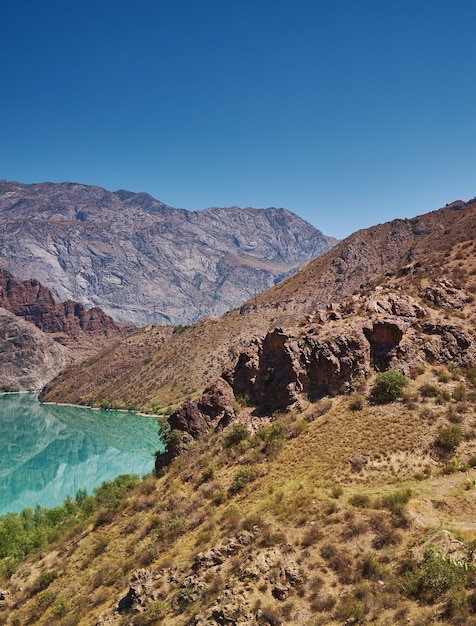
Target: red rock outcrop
{"type": "Point", "coordinates": [389, 331]}
{"type": "Point", "coordinates": [274, 374]}
{"type": "Point", "coordinates": [35, 303]}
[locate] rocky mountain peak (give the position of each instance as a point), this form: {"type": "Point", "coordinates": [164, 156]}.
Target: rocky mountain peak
{"type": "Point", "coordinates": [143, 261]}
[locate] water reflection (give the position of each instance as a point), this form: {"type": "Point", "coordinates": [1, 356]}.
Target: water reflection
{"type": "Point", "coordinates": [48, 451]}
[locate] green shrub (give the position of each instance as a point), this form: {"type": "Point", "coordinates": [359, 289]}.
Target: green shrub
{"type": "Point", "coordinates": [471, 375]}
{"type": "Point", "coordinates": [459, 393]}
{"type": "Point", "coordinates": [242, 477]}
{"type": "Point", "coordinates": [180, 328]}
{"type": "Point", "coordinates": [273, 435]}
{"type": "Point", "coordinates": [435, 576]}
{"type": "Point", "coordinates": [370, 567]}
{"type": "Point", "coordinates": [350, 610]}
{"type": "Point", "coordinates": [395, 501]}
{"type": "Point", "coordinates": [238, 432]}
{"type": "Point", "coordinates": [456, 605]}
{"type": "Point", "coordinates": [337, 491]}
{"type": "Point", "coordinates": [357, 403]}
{"type": "Point", "coordinates": [388, 387]}
{"type": "Point", "coordinates": [60, 606]}
{"type": "Point", "coordinates": [208, 473]}
{"type": "Point", "coordinates": [43, 581]}
{"type": "Point", "coordinates": [444, 377]}
{"type": "Point", "coordinates": [449, 438]}
{"type": "Point", "coordinates": [360, 500]}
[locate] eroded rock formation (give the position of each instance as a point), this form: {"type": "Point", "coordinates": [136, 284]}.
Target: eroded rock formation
{"type": "Point", "coordinates": [391, 331]}
{"type": "Point", "coordinates": [195, 418]}
{"type": "Point", "coordinates": [36, 304]}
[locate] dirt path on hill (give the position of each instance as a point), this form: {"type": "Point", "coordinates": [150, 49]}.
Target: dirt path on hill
{"type": "Point", "coordinates": [447, 502]}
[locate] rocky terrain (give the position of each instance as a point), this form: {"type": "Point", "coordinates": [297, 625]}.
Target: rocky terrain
{"type": "Point", "coordinates": [40, 336]}
{"type": "Point", "coordinates": [328, 296]}
{"type": "Point", "coordinates": [28, 357]}
{"type": "Point", "coordinates": [320, 471]}
{"type": "Point", "coordinates": [142, 261]}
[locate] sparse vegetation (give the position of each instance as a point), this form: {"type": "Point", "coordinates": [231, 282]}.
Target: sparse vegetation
{"type": "Point", "coordinates": [429, 390]}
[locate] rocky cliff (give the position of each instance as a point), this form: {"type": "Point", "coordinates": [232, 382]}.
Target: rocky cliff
{"type": "Point", "coordinates": [28, 357]}
{"type": "Point", "coordinates": [40, 336]}
{"type": "Point", "coordinates": [35, 303]}
{"type": "Point", "coordinates": [143, 261]}
{"type": "Point", "coordinates": [383, 330]}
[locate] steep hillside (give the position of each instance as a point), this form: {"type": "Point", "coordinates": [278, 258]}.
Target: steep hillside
{"type": "Point", "coordinates": [340, 512]}
{"type": "Point", "coordinates": [423, 250]}
{"type": "Point", "coordinates": [325, 476]}
{"type": "Point", "coordinates": [142, 261]}
{"type": "Point", "coordinates": [368, 256]}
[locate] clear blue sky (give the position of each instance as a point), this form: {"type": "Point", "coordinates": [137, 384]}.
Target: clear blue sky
{"type": "Point", "coordinates": [348, 113]}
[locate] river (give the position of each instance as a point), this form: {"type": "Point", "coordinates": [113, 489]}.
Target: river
{"type": "Point", "coordinates": [50, 451]}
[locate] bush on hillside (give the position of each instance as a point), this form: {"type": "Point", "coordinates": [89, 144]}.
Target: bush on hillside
{"type": "Point", "coordinates": [449, 438]}
{"type": "Point", "coordinates": [388, 387]}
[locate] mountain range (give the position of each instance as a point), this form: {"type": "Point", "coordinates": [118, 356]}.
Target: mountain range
{"type": "Point", "coordinates": [142, 261]}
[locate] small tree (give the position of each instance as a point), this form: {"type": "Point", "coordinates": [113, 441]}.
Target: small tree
{"type": "Point", "coordinates": [388, 387]}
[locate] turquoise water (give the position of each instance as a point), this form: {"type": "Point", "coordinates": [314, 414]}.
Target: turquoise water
{"type": "Point", "coordinates": [48, 452]}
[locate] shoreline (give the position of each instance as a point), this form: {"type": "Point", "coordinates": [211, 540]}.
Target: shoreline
{"type": "Point", "coordinates": [78, 406]}
{"type": "Point", "coordinates": [97, 408]}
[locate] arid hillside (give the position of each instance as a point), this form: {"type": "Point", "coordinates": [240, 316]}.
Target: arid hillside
{"type": "Point", "coordinates": [320, 462]}
{"type": "Point", "coordinates": [416, 253]}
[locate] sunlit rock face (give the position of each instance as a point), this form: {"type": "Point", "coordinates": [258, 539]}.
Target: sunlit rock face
{"type": "Point", "coordinates": [28, 357]}
{"type": "Point", "coordinates": [143, 261]}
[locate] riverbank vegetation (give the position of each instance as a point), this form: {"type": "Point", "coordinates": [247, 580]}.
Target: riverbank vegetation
{"type": "Point", "coordinates": [29, 531]}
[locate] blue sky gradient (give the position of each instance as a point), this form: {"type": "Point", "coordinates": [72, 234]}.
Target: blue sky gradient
{"type": "Point", "coordinates": [346, 113]}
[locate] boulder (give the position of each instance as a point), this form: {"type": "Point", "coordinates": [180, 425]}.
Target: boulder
{"type": "Point", "coordinates": [358, 462]}
{"type": "Point", "coordinates": [140, 591]}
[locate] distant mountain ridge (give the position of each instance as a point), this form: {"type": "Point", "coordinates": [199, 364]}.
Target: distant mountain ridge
{"type": "Point", "coordinates": [143, 261]}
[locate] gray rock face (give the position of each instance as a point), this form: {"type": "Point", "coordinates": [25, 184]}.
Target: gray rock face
{"type": "Point", "coordinates": [142, 261]}
{"type": "Point", "coordinates": [29, 358]}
